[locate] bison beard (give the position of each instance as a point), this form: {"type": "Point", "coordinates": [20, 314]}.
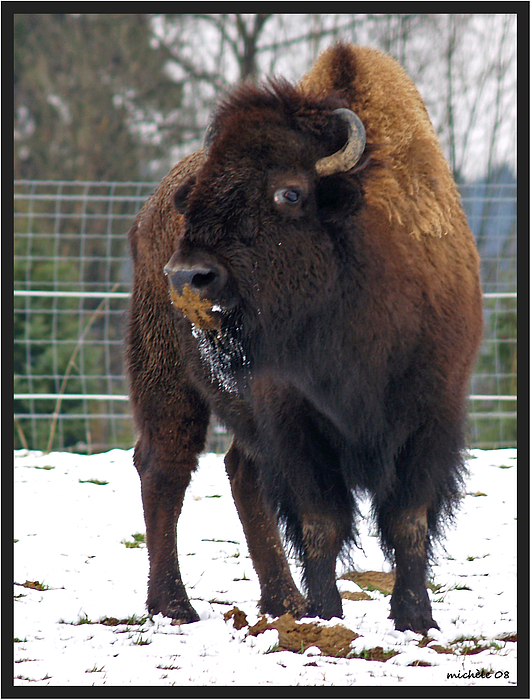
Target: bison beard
{"type": "Point", "coordinates": [309, 278]}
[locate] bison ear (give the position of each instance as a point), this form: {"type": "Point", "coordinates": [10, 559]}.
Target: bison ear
{"type": "Point", "coordinates": [337, 196]}
{"type": "Point", "coordinates": [180, 196]}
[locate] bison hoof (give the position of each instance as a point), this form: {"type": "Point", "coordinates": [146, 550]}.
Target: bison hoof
{"type": "Point", "coordinates": [325, 612]}
{"type": "Point", "coordinates": [412, 612]}
{"type": "Point", "coordinates": [291, 602]}
{"type": "Point", "coordinates": [416, 620]}
{"type": "Point", "coordinates": [326, 607]}
{"type": "Point", "coordinates": [181, 613]}
{"type": "Point", "coordinates": [419, 625]}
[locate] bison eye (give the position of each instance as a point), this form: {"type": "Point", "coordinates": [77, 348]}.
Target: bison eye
{"type": "Point", "coordinates": [287, 195]}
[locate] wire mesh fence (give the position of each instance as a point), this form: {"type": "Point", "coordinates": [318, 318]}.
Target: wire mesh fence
{"type": "Point", "coordinates": [73, 275]}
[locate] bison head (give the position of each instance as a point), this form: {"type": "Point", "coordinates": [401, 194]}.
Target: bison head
{"type": "Point", "coordinates": [265, 236]}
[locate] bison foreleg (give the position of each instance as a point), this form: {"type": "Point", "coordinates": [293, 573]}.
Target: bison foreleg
{"type": "Point", "coordinates": [279, 593]}
{"type": "Point", "coordinates": [164, 478]}
{"type": "Point", "coordinates": [410, 605]}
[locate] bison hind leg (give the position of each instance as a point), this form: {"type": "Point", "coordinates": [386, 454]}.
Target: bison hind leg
{"type": "Point", "coordinates": [405, 532]}
{"type": "Point", "coordinates": [323, 538]}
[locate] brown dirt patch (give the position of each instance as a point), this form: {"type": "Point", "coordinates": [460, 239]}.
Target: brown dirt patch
{"type": "Point", "coordinates": [298, 636]}
{"type": "Point", "coordinates": [375, 654]}
{"type": "Point", "coordinates": [508, 638]}
{"type": "Point", "coordinates": [355, 595]}
{"type": "Point", "coordinates": [238, 617]}
{"type": "Point", "coordinates": [34, 585]}
{"type": "Point", "coordinates": [372, 580]}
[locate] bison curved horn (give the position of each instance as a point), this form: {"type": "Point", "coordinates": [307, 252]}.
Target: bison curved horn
{"type": "Point", "coordinates": [348, 156]}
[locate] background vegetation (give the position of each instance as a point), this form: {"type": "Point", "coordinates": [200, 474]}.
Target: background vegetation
{"type": "Point", "coordinates": [120, 97]}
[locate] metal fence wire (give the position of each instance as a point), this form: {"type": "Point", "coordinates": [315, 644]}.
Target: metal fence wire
{"type": "Point", "coordinates": [73, 276]}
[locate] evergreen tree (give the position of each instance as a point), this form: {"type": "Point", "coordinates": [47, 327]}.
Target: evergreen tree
{"type": "Point", "coordinates": [85, 88]}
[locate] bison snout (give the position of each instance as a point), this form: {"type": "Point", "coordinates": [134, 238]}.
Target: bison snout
{"type": "Point", "coordinates": [206, 280]}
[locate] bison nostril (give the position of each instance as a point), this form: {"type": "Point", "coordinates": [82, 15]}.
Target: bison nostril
{"type": "Point", "coordinates": [207, 281]}
{"type": "Point", "coordinates": [201, 280]}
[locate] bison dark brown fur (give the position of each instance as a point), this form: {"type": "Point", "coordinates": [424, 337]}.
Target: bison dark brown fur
{"type": "Point", "coordinates": [329, 319]}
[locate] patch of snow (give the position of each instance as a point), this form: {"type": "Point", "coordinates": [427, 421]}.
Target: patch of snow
{"type": "Point", "coordinates": [73, 514]}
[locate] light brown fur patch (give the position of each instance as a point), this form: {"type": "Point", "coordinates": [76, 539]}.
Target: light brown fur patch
{"type": "Point", "coordinates": [319, 534]}
{"type": "Point", "coordinates": [414, 186]}
{"type": "Point", "coordinates": [411, 529]}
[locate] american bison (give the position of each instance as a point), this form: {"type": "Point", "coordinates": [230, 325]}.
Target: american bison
{"type": "Point", "coordinates": [309, 278]}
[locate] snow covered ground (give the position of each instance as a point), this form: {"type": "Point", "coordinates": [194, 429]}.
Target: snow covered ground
{"type": "Point", "coordinates": [79, 614]}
